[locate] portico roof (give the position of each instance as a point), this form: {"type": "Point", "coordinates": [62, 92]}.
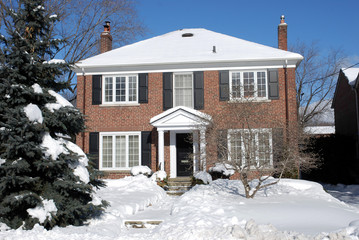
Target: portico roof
{"type": "Point", "coordinates": [180, 118]}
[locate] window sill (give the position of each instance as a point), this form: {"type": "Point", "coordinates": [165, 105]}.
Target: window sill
{"type": "Point", "coordinates": [114, 170]}
{"type": "Point", "coordinates": [120, 105]}
{"type": "Point", "coordinates": [250, 100]}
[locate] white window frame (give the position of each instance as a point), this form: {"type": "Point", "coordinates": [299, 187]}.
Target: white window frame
{"type": "Point", "coordinates": [255, 132]}
{"type": "Point", "coordinates": [255, 97]}
{"type": "Point", "coordinates": [127, 101]}
{"type": "Point", "coordinates": [114, 135]}
{"type": "Point", "coordinates": [173, 84]}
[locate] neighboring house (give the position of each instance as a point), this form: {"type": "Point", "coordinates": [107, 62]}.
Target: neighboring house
{"type": "Point", "coordinates": [142, 101]}
{"type": "Point", "coordinates": [346, 113]}
{"type": "Point", "coordinates": [346, 103]}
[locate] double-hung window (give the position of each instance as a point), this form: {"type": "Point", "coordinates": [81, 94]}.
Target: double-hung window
{"type": "Point", "coordinates": [120, 89]}
{"type": "Point", "coordinates": [251, 148]}
{"type": "Point", "coordinates": [248, 85]}
{"type": "Point", "coordinates": [183, 89]}
{"type": "Point", "coordinates": [119, 150]}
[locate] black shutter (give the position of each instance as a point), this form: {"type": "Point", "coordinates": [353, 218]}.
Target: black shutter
{"type": "Point", "coordinates": [94, 148]}
{"type": "Point", "coordinates": [143, 88]}
{"type": "Point", "coordinates": [167, 90]}
{"type": "Point", "coordinates": [277, 145]}
{"type": "Point", "coordinates": [273, 89]}
{"type": "Point", "coordinates": [146, 148]}
{"type": "Point", "coordinates": [96, 89]}
{"type": "Point", "coordinates": [222, 145]}
{"type": "Point", "coordinates": [198, 90]}
{"type": "Point", "coordinates": [224, 85]}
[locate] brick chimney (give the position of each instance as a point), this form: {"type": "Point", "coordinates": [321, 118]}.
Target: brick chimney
{"type": "Point", "coordinates": [282, 34]}
{"type": "Point", "coordinates": [106, 38]}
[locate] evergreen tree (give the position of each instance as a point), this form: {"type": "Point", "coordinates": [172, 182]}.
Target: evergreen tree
{"type": "Point", "coordinates": [44, 178]}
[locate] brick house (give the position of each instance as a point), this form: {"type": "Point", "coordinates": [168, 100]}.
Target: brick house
{"type": "Point", "coordinates": [346, 115]}
{"type": "Point", "coordinates": [143, 100]}
{"type": "Point", "coordinates": [346, 103]}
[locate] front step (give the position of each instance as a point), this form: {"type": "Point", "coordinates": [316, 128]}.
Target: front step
{"type": "Point", "coordinates": [178, 186]}
{"type": "Point", "coordinates": [142, 224]}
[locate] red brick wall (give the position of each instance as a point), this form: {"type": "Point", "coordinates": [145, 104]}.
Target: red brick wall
{"type": "Point", "coordinates": [282, 36]}
{"type": "Point", "coordinates": [137, 118]}
{"type": "Point", "coordinates": [105, 42]}
{"type": "Point", "coordinates": [345, 109]}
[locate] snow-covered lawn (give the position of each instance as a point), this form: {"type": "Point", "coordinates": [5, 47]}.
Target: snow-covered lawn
{"type": "Point", "coordinates": [292, 209]}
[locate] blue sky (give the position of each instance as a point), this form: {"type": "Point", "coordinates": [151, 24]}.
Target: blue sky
{"type": "Point", "coordinates": [332, 24]}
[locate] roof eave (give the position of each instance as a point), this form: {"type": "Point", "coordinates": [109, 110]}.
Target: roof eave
{"type": "Point", "coordinates": [78, 67]}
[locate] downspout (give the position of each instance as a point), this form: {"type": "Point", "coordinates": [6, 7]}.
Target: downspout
{"type": "Point", "coordinates": [286, 97]}
{"type": "Point", "coordinates": [83, 106]}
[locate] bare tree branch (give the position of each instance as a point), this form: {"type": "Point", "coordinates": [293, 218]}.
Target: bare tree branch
{"type": "Point", "coordinates": [252, 140]}
{"type": "Point", "coordinates": [315, 80]}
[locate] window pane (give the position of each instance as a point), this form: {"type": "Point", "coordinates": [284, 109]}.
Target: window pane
{"type": "Point", "coordinates": [183, 90]}
{"type": "Point", "coordinates": [248, 84]}
{"type": "Point", "coordinates": [133, 150]}
{"type": "Point", "coordinates": [236, 148]}
{"type": "Point", "coordinates": [132, 88]}
{"type": "Point", "coordinates": [107, 151]}
{"type": "Point", "coordinates": [108, 89]}
{"type": "Point", "coordinates": [264, 150]}
{"type": "Point", "coordinates": [261, 84]}
{"type": "Point", "coordinates": [120, 89]}
{"type": "Point", "coordinates": [120, 151]}
{"type": "Point", "coordinates": [236, 83]}
{"type": "Point", "coordinates": [249, 148]}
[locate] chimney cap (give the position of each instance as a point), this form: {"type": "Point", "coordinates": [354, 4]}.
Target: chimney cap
{"type": "Point", "coordinates": [107, 27]}
{"type": "Point", "coordinates": [282, 21]}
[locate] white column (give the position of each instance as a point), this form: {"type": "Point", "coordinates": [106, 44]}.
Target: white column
{"type": "Point", "coordinates": [202, 148]}
{"type": "Point", "coordinates": [161, 150]}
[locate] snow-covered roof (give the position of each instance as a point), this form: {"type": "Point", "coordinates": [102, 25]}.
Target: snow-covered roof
{"type": "Point", "coordinates": [196, 45]}
{"type": "Point", "coordinates": [351, 74]}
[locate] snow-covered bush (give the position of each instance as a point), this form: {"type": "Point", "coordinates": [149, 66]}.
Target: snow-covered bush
{"type": "Point", "coordinates": [159, 176]}
{"type": "Point", "coordinates": [221, 170]}
{"type": "Point", "coordinates": [203, 176]}
{"type": "Point", "coordinates": [144, 170]}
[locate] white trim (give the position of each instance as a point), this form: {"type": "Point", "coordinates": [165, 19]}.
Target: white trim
{"type": "Point", "coordinates": [291, 61]}
{"type": "Point", "coordinates": [120, 105]}
{"type": "Point", "coordinates": [173, 88]}
{"type": "Point", "coordinates": [173, 151]}
{"type": "Point", "coordinates": [255, 79]}
{"type": "Point", "coordinates": [187, 67]}
{"type": "Point", "coordinates": [180, 118]}
{"type": "Point", "coordinates": [114, 134]}
{"type": "Point", "coordinates": [161, 151]}
{"type": "Point", "coordinates": [114, 102]}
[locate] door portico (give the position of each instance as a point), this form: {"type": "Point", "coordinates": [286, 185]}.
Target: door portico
{"type": "Point", "coordinates": [181, 120]}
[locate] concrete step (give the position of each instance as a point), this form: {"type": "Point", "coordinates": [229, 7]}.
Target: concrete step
{"type": "Point", "coordinates": [178, 186]}
{"type": "Point", "coordinates": [142, 224]}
